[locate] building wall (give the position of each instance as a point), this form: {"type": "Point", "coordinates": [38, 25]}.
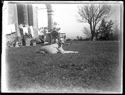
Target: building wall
{"type": "Point", "coordinates": [11, 13]}
{"type": "Point", "coordinates": [12, 18]}
{"type": "Point", "coordinates": [28, 15]}
{"type": "Point", "coordinates": [22, 14]}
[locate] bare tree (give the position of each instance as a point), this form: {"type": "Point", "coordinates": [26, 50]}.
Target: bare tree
{"type": "Point", "coordinates": [87, 32]}
{"type": "Point", "coordinates": [93, 14]}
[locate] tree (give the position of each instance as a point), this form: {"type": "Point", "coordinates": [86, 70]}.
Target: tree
{"type": "Point", "coordinates": [105, 31]}
{"type": "Point", "coordinates": [93, 14]}
{"type": "Point", "coordinates": [87, 32]}
{"type": "Point", "coordinates": [116, 33]}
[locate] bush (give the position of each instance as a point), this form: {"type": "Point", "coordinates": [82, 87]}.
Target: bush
{"type": "Point", "coordinates": [104, 32]}
{"type": "Point", "coordinates": [86, 39]}
{"type": "Point", "coordinates": [68, 39]}
{"type": "Point", "coordinates": [79, 38]}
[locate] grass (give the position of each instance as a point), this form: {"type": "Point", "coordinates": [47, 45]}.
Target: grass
{"type": "Point", "coordinates": [96, 66]}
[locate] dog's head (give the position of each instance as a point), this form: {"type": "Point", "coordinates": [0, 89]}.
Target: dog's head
{"type": "Point", "coordinates": [60, 42]}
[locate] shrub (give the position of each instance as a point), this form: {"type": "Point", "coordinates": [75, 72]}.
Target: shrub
{"type": "Point", "coordinates": [104, 32]}
{"type": "Point", "coordinates": [68, 39]}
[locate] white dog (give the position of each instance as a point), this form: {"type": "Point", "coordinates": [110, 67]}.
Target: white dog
{"type": "Point", "coordinates": [55, 48]}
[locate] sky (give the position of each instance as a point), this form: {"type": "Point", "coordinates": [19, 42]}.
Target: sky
{"type": "Point", "coordinates": [66, 16]}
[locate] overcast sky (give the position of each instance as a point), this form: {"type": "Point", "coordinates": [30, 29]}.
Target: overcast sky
{"type": "Point", "coordinates": [66, 16]}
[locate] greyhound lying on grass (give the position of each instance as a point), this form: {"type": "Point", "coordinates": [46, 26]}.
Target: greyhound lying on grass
{"type": "Point", "coordinates": [55, 48]}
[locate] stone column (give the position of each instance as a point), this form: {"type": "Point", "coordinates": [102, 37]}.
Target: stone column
{"type": "Point", "coordinates": [35, 21]}
{"type": "Point", "coordinates": [50, 20]}
{"type": "Point", "coordinates": [16, 23]}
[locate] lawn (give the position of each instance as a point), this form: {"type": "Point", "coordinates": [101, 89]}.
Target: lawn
{"type": "Point", "coordinates": [96, 66]}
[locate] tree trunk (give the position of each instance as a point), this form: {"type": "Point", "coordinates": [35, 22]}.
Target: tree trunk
{"type": "Point", "coordinates": [93, 30]}
{"type": "Point", "coordinates": [93, 35]}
